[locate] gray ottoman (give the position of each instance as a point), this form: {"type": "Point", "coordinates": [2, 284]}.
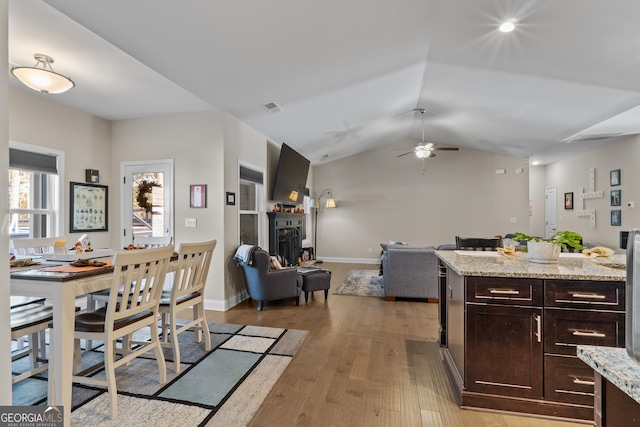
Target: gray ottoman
{"type": "Point", "coordinates": [315, 280]}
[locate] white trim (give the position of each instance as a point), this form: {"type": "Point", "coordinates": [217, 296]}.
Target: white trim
{"type": "Point", "coordinates": [224, 305]}
{"type": "Point", "coordinates": [62, 183]}
{"type": "Point", "coordinates": [262, 208]}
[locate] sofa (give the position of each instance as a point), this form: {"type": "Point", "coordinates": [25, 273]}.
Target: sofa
{"type": "Point", "coordinates": [409, 271]}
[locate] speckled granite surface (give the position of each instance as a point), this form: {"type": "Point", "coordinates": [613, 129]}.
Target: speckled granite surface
{"type": "Point", "coordinates": [615, 365]}
{"type": "Point", "coordinates": [572, 266]}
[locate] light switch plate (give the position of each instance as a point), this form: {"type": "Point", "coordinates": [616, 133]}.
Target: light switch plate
{"type": "Point", "coordinates": [190, 222]}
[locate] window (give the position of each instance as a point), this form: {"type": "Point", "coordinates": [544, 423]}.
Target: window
{"type": "Point", "coordinates": [251, 205]}
{"type": "Point", "coordinates": [35, 193]}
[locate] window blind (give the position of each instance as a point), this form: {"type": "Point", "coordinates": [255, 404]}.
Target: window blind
{"type": "Point", "coordinates": [37, 162]}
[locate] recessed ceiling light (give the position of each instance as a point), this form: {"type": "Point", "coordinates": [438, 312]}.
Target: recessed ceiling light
{"type": "Point", "coordinates": [536, 163]}
{"type": "Point", "coordinates": [507, 26]}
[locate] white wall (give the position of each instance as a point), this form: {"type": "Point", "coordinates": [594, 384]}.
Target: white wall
{"type": "Point", "coordinates": [195, 142]}
{"type": "Point", "coordinates": [381, 197]}
{"type": "Point", "coordinates": [85, 140]}
{"type": "Point", "coordinates": [572, 174]}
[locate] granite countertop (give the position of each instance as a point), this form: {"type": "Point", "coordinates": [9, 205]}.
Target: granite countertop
{"type": "Point", "coordinates": [615, 365]}
{"type": "Point", "coordinates": [572, 266]}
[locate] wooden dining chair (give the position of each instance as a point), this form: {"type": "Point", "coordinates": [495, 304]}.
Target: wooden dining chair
{"type": "Point", "coordinates": [35, 246]}
{"type": "Point", "coordinates": [187, 291]}
{"type": "Point", "coordinates": [136, 287]}
{"type": "Point", "coordinates": [31, 319]}
{"type": "Point", "coordinates": [152, 242]}
{"type": "Point", "coordinates": [478, 243]}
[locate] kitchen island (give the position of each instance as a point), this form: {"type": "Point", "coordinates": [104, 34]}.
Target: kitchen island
{"type": "Point", "coordinates": [510, 329]}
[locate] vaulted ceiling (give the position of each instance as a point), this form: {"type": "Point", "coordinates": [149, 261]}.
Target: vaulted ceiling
{"type": "Point", "coordinates": [348, 74]}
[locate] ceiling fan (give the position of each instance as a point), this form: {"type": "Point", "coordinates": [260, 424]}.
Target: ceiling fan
{"type": "Point", "coordinates": [425, 150]}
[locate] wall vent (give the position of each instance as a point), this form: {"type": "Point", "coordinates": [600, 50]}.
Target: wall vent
{"type": "Point", "coordinates": [272, 107]}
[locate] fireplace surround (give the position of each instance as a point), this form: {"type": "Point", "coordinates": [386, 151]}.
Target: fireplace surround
{"type": "Point", "coordinates": [285, 235]}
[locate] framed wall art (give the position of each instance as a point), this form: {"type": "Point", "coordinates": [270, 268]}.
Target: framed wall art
{"type": "Point", "coordinates": [616, 197]}
{"type": "Point", "coordinates": [198, 196]}
{"type": "Point", "coordinates": [616, 217]}
{"type": "Point", "coordinates": [89, 207]}
{"type": "Point", "coordinates": [568, 201]}
{"type": "Point", "coordinates": [614, 177]}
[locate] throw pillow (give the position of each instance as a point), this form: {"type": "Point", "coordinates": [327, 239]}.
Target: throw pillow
{"type": "Point", "coordinates": [275, 264]}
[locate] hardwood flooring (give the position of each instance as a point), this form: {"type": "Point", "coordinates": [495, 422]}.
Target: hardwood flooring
{"type": "Point", "coordinates": [367, 362]}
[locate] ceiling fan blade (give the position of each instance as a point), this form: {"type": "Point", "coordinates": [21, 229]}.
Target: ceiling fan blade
{"type": "Point", "coordinates": [446, 148]}
{"type": "Point", "coordinates": [400, 155]}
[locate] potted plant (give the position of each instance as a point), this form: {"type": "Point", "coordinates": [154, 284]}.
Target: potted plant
{"type": "Point", "coordinates": [547, 250]}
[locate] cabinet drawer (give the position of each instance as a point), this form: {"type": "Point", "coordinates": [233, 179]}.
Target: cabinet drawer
{"type": "Point", "coordinates": [586, 295]}
{"type": "Point", "coordinates": [508, 291]}
{"type": "Point", "coordinates": [568, 379]}
{"type": "Point", "coordinates": [566, 329]}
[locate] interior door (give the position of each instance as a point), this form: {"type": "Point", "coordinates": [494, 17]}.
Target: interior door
{"type": "Point", "coordinates": [147, 199]}
{"type": "Point", "coordinates": [551, 210]}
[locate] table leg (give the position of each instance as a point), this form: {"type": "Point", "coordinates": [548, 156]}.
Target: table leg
{"type": "Point", "coordinates": [61, 348]}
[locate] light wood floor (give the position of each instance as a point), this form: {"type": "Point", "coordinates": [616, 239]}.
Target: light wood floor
{"type": "Point", "coordinates": [367, 362]}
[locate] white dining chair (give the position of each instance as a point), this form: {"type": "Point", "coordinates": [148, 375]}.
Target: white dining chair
{"type": "Point", "coordinates": [34, 246]}
{"type": "Point", "coordinates": [152, 241]}
{"type": "Point", "coordinates": [187, 291]}
{"type": "Point", "coordinates": [32, 320]}
{"type": "Point", "coordinates": [136, 287]}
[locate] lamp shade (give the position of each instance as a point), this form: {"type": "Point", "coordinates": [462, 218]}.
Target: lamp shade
{"type": "Point", "coordinates": [331, 203]}
{"type": "Point", "coordinates": [43, 78]}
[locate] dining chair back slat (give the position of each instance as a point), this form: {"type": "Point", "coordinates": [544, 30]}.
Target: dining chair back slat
{"type": "Point", "coordinates": [187, 290]}
{"type": "Point", "coordinates": [35, 246]}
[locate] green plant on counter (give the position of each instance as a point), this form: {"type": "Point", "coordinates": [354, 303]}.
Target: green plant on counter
{"type": "Point", "coordinates": [560, 238]}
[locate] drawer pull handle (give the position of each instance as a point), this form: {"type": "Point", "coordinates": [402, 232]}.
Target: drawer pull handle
{"type": "Point", "coordinates": [589, 334]}
{"type": "Point", "coordinates": [538, 332]}
{"type": "Point", "coordinates": [504, 291]}
{"type": "Point", "coordinates": [583, 382]}
{"type": "Point", "coordinates": [588, 296]}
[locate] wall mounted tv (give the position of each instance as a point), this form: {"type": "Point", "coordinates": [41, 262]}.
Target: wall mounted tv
{"type": "Point", "coordinates": [291, 176]}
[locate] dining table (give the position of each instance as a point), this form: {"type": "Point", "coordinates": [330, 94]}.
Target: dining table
{"type": "Point", "coordinates": [62, 284]}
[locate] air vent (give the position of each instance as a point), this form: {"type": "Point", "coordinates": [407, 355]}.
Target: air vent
{"type": "Point", "coordinates": [592, 138]}
{"type": "Point", "coordinates": [272, 107]}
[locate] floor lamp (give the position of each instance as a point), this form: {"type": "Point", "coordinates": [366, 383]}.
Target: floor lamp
{"type": "Point", "coordinates": [316, 204]}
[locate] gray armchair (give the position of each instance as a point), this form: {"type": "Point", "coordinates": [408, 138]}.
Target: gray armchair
{"type": "Point", "coordinates": [265, 284]}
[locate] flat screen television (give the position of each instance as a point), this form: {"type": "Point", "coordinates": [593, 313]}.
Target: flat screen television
{"type": "Point", "coordinates": [291, 176]}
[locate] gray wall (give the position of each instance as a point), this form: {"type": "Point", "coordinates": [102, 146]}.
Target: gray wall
{"type": "Point", "coordinates": [382, 197]}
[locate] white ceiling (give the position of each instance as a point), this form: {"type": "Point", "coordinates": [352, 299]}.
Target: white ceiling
{"type": "Point", "coordinates": [348, 73]}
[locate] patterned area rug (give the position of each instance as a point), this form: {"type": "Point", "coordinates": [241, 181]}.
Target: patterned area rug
{"type": "Point", "coordinates": [366, 283]}
{"type": "Point", "coordinates": [224, 387]}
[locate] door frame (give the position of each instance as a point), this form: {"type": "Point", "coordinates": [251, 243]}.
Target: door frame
{"type": "Point", "coordinates": [125, 211]}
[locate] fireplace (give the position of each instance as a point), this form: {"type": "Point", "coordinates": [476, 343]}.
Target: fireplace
{"type": "Point", "coordinates": [285, 236]}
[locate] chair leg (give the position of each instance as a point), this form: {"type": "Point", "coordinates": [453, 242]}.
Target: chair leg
{"type": "Point", "coordinates": [110, 374]}
{"type": "Point", "coordinates": [260, 305]}
{"type": "Point", "coordinates": [77, 355]}
{"type": "Point", "coordinates": [326, 294]}
{"type": "Point", "coordinates": [306, 296]}
{"type": "Point", "coordinates": [204, 328]}
{"type": "Point", "coordinates": [175, 344]}
{"type": "Point", "coordinates": [298, 300]}
{"type": "Point", "coordinates": [157, 350]}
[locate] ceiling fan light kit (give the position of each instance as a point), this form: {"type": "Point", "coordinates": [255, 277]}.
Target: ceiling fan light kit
{"type": "Point", "coordinates": [426, 149]}
{"type": "Point", "coordinates": [41, 76]}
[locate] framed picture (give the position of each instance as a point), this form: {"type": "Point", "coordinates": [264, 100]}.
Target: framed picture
{"type": "Point", "coordinates": [614, 177]}
{"type": "Point", "coordinates": [616, 197]}
{"type": "Point", "coordinates": [231, 198]}
{"type": "Point", "coordinates": [568, 201]}
{"type": "Point", "coordinates": [89, 207]}
{"type": "Point", "coordinates": [616, 217]}
{"type": "Point", "coordinates": [198, 196]}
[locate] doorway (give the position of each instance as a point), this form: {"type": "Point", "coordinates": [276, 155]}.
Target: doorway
{"type": "Point", "coordinates": [551, 210]}
{"type": "Point", "coordinates": [146, 199]}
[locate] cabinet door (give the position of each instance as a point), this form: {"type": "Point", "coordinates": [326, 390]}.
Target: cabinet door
{"type": "Point", "coordinates": [504, 350]}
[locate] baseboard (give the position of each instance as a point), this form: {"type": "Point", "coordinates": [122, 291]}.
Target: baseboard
{"type": "Point", "coordinates": [224, 305]}
{"type": "Point", "coordinates": [352, 260]}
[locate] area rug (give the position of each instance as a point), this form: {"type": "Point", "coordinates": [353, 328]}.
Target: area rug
{"type": "Point", "coordinates": [223, 387]}
{"type": "Point", "coordinates": [362, 283]}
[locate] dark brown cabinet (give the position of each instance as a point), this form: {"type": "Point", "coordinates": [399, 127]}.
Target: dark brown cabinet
{"type": "Point", "coordinates": [511, 342]}
{"type": "Point", "coordinates": [504, 350]}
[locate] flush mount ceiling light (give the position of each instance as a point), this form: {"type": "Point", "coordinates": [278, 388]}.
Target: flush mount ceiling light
{"type": "Point", "coordinates": [507, 26]}
{"type": "Point", "coordinates": [41, 76]}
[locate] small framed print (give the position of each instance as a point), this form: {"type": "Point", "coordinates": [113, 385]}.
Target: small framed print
{"type": "Point", "coordinates": [616, 217]}
{"type": "Point", "coordinates": [231, 198]}
{"type": "Point", "coordinates": [616, 196]}
{"type": "Point", "coordinates": [614, 177]}
{"type": "Point", "coordinates": [568, 201]}
{"type": "Point", "coordinates": [198, 196]}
